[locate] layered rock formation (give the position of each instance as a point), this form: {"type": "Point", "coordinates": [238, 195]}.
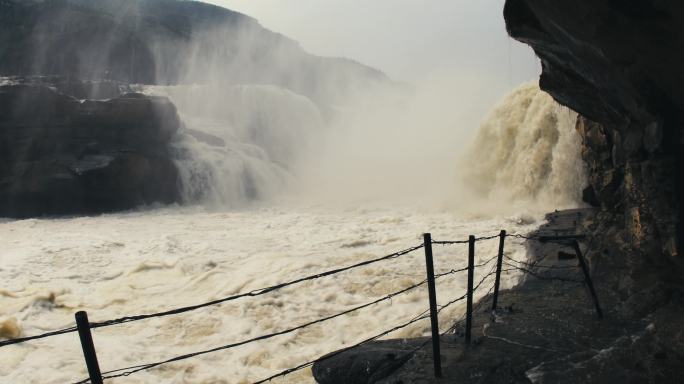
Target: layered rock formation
{"type": "Point", "coordinates": [59, 155]}
{"type": "Point", "coordinates": [619, 65]}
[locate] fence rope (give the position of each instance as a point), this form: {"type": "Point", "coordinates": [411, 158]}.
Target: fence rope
{"type": "Point", "coordinates": [492, 272]}
{"type": "Point", "coordinates": [451, 242]}
{"type": "Point", "coordinates": [523, 266]}
{"type": "Point", "coordinates": [451, 272]}
{"type": "Point", "coordinates": [256, 292]}
{"type": "Point", "coordinates": [421, 316]}
{"type": "Point", "coordinates": [253, 293]}
{"type": "Point", "coordinates": [535, 264]}
{"type": "Point", "coordinates": [475, 309]}
{"type": "Point", "coordinates": [548, 238]}
{"type": "Point", "coordinates": [138, 368]}
{"type": "Point", "coordinates": [4, 343]}
{"type": "Point", "coordinates": [524, 237]}
{"type": "Point", "coordinates": [540, 277]}
{"type": "Point", "coordinates": [452, 328]}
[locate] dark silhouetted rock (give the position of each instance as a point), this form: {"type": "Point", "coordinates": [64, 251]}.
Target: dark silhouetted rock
{"type": "Point", "coordinates": [62, 156]}
{"type": "Point", "coordinates": [366, 364]}
{"type": "Point", "coordinates": [618, 63]}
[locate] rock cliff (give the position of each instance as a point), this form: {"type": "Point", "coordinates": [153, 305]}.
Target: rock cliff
{"type": "Point", "coordinates": [618, 63]}
{"type": "Point", "coordinates": [59, 155]}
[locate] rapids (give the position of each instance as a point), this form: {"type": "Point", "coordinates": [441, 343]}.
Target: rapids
{"type": "Point", "coordinates": [237, 158]}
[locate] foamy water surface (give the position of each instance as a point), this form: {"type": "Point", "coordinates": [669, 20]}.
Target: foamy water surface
{"type": "Point", "coordinates": [144, 262]}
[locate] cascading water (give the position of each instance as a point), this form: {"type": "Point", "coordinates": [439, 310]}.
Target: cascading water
{"type": "Point", "coordinates": [527, 153]}
{"type": "Point", "coordinates": [248, 142]}
{"type": "Point", "coordinates": [241, 142]}
{"type": "Point", "coordinates": [245, 142]}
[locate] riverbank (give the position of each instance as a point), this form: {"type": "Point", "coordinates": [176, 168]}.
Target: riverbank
{"type": "Point", "coordinates": [545, 330]}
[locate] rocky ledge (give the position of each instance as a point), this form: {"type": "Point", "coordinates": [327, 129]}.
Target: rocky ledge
{"type": "Point", "coordinates": [61, 156]}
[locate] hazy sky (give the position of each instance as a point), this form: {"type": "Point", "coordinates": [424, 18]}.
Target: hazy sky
{"type": "Point", "coordinates": [407, 39]}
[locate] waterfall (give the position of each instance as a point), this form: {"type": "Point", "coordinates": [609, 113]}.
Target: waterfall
{"type": "Point", "coordinates": [249, 142]}
{"type": "Point", "coordinates": [527, 151]}
{"type": "Point", "coordinates": [240, 142]}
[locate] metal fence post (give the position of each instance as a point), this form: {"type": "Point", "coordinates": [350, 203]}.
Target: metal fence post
{"type": "Point", "coordinates": [587, 278]}
{"type": "Point", "coordinates": [502, 239]}
{"type": "Point", "coordinates": [88, 347]}
{"type": "Point", "coordinates": [469, 305]}
{"type": "Point", "coordinates": [436, 354]}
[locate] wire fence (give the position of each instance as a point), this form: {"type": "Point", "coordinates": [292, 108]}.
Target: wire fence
{"type": "Point", "coordinates": [532, 268]}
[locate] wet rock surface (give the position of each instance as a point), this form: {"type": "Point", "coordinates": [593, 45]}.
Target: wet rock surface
{"type": "Point", "coordinates": [615, 62]}
{"type": "Point", "coordinates": [61, 156]}
{"type": "Point", "coordinates": [367, 364]}
{"type": "Point", "coordinates": [618, 64]}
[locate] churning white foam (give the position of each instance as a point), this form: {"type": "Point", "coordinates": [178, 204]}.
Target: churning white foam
{"type": "Point", "coordinates": [144, 262]}
{"type": "Point", "coordinates": [526, 154]}
{"type": "Point", "coordinates": [241, 143]}
{"type": "Point", "coordinates": [258, 142]}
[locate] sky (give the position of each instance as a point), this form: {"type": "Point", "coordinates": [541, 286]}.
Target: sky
{"type": "Point", "coordinates": [409, 40]}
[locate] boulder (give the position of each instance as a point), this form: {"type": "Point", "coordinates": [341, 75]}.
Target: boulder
{"type": "Point", "coordinates": [365, 364]}
{"type": "Point", "coordinates": [61, 156]}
